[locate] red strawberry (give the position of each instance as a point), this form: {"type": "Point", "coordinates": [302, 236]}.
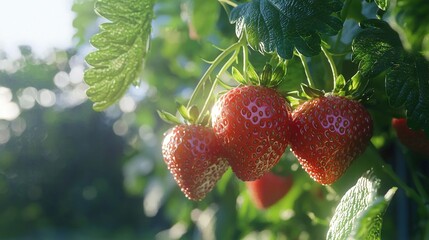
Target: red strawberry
{"type": "Point", "coordinates": [414, 140]}
{"type": "Point", "coordinates": [193, 155]}
{"type": "Point", "coordinates": [252, 123]}
{"type": "Point", "coordinates": [269, 189]}
{"type": "Point", "coordinates": [329, 133]}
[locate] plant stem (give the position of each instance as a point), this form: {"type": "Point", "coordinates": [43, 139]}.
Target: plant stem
{"type": "Point", "coordinates": [245, 59]}
{"type": "Point", "coordinates": [416, 181]}
{"type": "Point", "coordinates": [232, 4]}
{"type": "Point", "coordinates": [331, 63]}
{"type": "Point", "coordinates": [391, 173]}
{"type": "Point", "coordinates": [206, 77]}
{"type": "Point", "coordinates": [221, 71]}
{"type": "Point", "coordinates": [307, 70]}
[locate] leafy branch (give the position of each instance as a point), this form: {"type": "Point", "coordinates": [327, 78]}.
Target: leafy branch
{"type": "Point", "coordinates": [122, 45]}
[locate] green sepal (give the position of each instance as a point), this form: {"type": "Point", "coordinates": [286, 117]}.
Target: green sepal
{"type": "Point", "coordinates": [340, 83]}
{"type": "Point", "coordinates": [206, 119]}
{"type": "Point", "coordinates": [294, 98]}
{"type": "Point", "coordinates": [277, 75]}
{"type": "Point", "coordinates": [168, 117]}
{"type": "Point", "coordinates": [194, 112]}
{"type": "Point", "coordinates": [189, 114]}
{"type": "Point", "coordinates": [358, 88]}
{"type": "Point", "coordinates": [266, 75]}
{"type": "Point", "coordinates": [353, 83]}
{"type": "Point", "coordinates": [238, 76]}
{"type": "Point", "coordinates": [252, 75]}
{"type": "Point", "coordinates": [183, 111]}
{"type": "Point", "coordinates": [311, 92]}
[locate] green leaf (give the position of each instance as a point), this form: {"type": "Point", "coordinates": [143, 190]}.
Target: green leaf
{"type": "Point", "coordinates": [359, 213]}
{"type": "Point", "coordinates": [412, 22]}
{"type": "Point", "coordinates": [376, 48]}
{"type": "Point", "coordinates": [122, 45]}
{"type": "Point", "coordinates": [283, 25]}
{"type": "Point", "coordinates": [407, 84]}
{"type": "Point", "coordinates": [84, 16]}
{"type": "Point", "coordinates": [369, 222]}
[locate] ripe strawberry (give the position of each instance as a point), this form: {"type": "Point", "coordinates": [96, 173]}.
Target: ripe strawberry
{"type": "Point", "coordinates": [329, 133]}
{"type": "Point", "coordinates": [269, 189]}
{"type": "Point", "coordinates": [193, 155]}
{"type": "Point", "coordinates": [252, 123]}
{"type": "Point", "coordinates": [414, 140]}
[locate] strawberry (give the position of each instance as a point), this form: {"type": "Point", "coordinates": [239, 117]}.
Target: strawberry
{"type": "Point", "coordinates": [329, 133]}
{"type": "Point", "coordinates": [252, 123]}
{"type": "Point", "coordinates": [193, 155]}
{"type": "Point", "coordinates": [414, 140]}
{"type": "Point", "coordinates": [269, 189]}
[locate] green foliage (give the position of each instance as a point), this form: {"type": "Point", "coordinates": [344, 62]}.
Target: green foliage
{"type": "Point", "coordinates": [122, 46]}
{"type": "Point", "coordinates": [378, 49]}
{"type": "Point", "coordinates": [412, 22]}
{"type": "Point", "coordinates": [369, 222]}
{"type": "Point", "coordinates": [136, 195]}
{"type": "Point", "coordinates": [382, 4]}
{"type": "Point", "coordinates": [85, 16]}
{"type": "Point", "coordinates": [283, 25]}
{"type": "Point", "coordinates": [407, 84]}
{"type": "Point", "coordinates": [359, 213]}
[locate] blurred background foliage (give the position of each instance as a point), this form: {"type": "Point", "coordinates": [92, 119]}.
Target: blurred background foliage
{"type": "Point", "coordinates": [68, 172]}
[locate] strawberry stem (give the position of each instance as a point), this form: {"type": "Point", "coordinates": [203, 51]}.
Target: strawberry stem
{"type": "Point", "coordinates": [205, 79]}
{"type": "Point", "coordinates": [230, 3]}
{"type": "Point", "coordinates": [306, 69]}
{"type": "Point", "coordinates": [331, 63]}
{"type": "Point", "coordinates": [416, 180]}
{"type": "Point", "coordinates": [245, 59]}
{"type": "Point", "coordinates": [410, 192]}
{"type": "Point", "coordinates": [230, 61]}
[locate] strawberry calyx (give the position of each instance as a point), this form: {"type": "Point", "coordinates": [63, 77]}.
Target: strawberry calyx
{"type": "Point", "coordinates": [356, 88]}
{"type": "Point", "coordinates": [186, 115]}
{"type": "Point", "coordinates": [269, 77]}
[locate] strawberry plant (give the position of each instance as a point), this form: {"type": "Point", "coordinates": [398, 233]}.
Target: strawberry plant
{"type": "Point", "coordinates": [307, 88]}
